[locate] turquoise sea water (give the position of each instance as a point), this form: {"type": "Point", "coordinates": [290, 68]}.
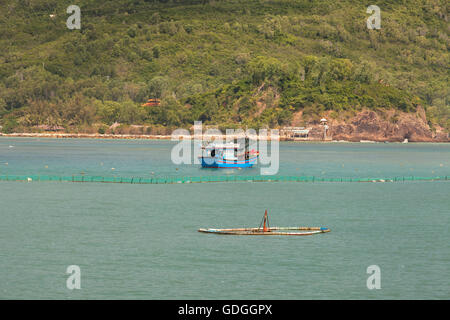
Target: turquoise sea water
{"type": "Point", "coordinates": [141, 241]}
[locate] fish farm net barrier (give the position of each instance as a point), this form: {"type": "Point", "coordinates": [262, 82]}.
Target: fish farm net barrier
{"type": "Point", "coordinates": [205, 179]}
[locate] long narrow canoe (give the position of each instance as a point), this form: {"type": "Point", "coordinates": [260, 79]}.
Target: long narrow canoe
{"type": "Point", "coordinates": [273, 231]}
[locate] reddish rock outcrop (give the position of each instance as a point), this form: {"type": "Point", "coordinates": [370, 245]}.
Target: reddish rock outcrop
{"type": "Point", "coordinates": [390, 125]}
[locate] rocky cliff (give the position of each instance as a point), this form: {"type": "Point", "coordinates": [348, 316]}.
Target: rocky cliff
{"type": "Point", "coordinates": [390, 125]}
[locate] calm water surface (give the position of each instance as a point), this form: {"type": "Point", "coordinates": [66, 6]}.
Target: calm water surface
{"type": "Point", "coordinates": [140, 241]}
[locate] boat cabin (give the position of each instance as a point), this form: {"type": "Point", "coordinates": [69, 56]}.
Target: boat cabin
{"type": "Point", "coordinates": [229, 151]}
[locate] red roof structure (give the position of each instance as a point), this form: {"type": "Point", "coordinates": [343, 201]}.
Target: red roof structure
{"type": "Point", "coordinates": [152, 103]}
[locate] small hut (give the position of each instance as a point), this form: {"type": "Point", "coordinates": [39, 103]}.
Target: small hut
{"type": "Point", "coordinates": [324, 122]}
{"type": "Point", "coordinates": [152, 103]}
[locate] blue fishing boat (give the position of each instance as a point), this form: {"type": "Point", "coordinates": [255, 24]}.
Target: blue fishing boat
{"type": "Point", "coordinates": [228, 155]}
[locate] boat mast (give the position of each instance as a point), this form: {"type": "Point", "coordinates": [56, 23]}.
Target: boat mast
{"type": "Point", "coordinates": [265, 223]}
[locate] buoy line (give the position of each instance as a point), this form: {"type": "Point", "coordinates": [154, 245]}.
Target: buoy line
{"type": "Point", "coordinates": [209, 179]}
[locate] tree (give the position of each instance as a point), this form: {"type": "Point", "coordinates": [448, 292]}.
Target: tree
{"type": "Point", "coordinates": [308, 63]}
{"type": "Point", "coordinates": [340, 69]}
{"type": "Point", "coordinates": [265, 68]}
{"type": "Point", "coordinates": [108, 111]}
{"type": "Point", "coordinates": [9, 125]}
{"type": "Point", "coordinates": [157, 86]}
{"type": "Point", "coordinates": [156, 51]}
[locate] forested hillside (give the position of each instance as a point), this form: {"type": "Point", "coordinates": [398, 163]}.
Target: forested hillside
{"type": "Point", "coordinates": [254, 63]}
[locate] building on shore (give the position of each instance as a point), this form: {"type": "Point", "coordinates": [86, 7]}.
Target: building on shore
{"type": "Point", "coordinates": [326, 136]}
{"type": "Point", "coordinates": [153, 102]}
{"type": "Point", "coordinates": [50, 128]}
{"type": "Point", "coordinates": [294, 133]}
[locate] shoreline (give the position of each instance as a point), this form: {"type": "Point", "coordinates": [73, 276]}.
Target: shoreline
{"type": "Point", "coordinates": [169, 137]}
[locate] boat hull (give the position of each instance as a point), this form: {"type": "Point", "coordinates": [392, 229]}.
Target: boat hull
{"type": "Point", "coordinates": [276, 231]}
{"type": "Point", "coordinates": [221, 163]}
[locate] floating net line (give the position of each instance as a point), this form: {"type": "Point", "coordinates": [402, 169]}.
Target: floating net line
{"type": "Point", "coordinates": [206, 179]}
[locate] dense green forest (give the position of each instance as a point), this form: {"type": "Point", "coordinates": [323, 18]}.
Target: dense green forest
{"type": "Point", "coordinates": [231, 63]}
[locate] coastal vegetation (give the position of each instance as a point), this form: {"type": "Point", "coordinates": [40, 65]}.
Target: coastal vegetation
{"type": "Point", "coordinates": [229, 63]}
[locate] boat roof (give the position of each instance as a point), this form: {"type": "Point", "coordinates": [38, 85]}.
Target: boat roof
{"type": "Point", "coordinates": [222, 146]}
